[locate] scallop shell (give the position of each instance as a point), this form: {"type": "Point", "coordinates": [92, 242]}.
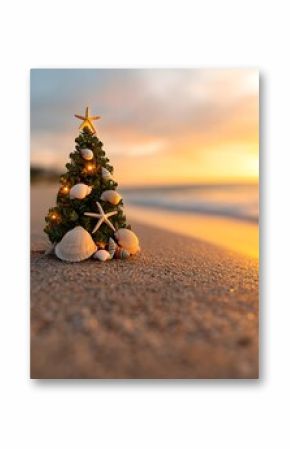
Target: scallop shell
{"type": "Point", "coordinates": [80, 191]}
{"type": "Point", "coordinates": [111, 196]}
{"type": "Point", "coordinates": [106, 175]}
{"type": "Point", "coordinates": [87, 154]}
{"type": "Point", "coordinates": [76, 245]}
{"type": "Point", "coordinates": [127, 240]}
{"type": "Point", "coordinates": [102, 255]}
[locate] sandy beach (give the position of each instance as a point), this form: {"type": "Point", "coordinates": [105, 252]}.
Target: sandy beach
{"type": "Point", "coordinates": [183, 308]}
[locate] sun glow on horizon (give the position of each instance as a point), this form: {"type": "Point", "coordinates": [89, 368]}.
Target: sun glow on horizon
{"type": "Point", "coordinates": [158, 126]}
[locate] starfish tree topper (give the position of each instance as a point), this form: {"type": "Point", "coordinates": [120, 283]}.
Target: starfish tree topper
{"type": "Point", "coordinates": [88, 120]}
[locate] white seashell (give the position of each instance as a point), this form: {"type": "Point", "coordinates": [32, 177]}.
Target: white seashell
{"type": "Point", "coordinates": [102, 255]}
{"type": "Point", "coordinates": [106, 175]}
{"type": "Point", "coordinates": [87, 154]}
{"type": "Point", "coordinates": [112, 247]}
{"type": "Point", "coordinates": [80, 191]}
{"type": "Point", "coordinates": [76, 245]}
{"type": "Point", "coordinates": [111, 196]}
{"type": "Point", "coordinates": [128, 240]}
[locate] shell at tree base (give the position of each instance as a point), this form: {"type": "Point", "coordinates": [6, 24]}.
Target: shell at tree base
{"type": "Point", "coordinates": [102, 255]}
{"type": "Point", "coordinates": [121, 253]}
{"type": "Point", "coordinates": [76, 245]}
{"type": "Point", "coordinates": [127, 240]}
{"type": "Point", "coordinates": [80, 191]}
{"type": "Point", "coordinates": [111, 196]}
{"type": "Point", "coordinates": [116, 252]}
{"type": "Point", "coordinates": [112, 247]}
{"type": "Point", "coordinates": [87, 154]}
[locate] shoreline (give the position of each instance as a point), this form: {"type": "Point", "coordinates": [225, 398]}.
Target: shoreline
{"type": "Point", "coordinates": [229, 233]}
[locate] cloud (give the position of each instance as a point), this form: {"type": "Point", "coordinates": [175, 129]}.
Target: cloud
{"type": "Point", "coordinates": [166, 113]}
{"type": "Point", "coordinates": [153, 100]}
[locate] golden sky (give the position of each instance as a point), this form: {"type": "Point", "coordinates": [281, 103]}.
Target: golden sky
{"type": "Point", "coordinates": [158, 126]}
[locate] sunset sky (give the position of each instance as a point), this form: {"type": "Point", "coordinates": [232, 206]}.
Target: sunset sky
{"type": "Point", "coordinates": [158, 126]}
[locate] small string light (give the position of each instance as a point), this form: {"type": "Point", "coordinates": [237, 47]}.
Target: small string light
{"type": "Point", "coordinates": [55, 217]}
{"type": "Point", "coordinates": [90, 167]}
{"type": "Point", "coordinates": [65, 189]}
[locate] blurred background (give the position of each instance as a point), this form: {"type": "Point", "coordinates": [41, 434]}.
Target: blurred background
{"type": "Point", "coordinates": [184, 144]}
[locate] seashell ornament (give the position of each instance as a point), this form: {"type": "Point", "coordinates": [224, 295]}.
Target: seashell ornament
{"type": "Point", "coordinates": [80, 191]}
{"type": "Point", "coordinates": [117, 252]}
{"type": "Point", "coordinates": [102, 255]}
{"type": "Point", "coordinates": [87, 154]}
{"type": "Point", "coordinates": [106, 175]}
{"type": "Point", "coordinates": [127, 240]}
{"type": "Point", "coordinates": [111, 196]}
{"type": "Point", "coordinates": [76, 245]}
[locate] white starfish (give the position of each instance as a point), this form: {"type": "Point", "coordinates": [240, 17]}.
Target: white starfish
{"type": "Point", "coordinates": [103, 218]}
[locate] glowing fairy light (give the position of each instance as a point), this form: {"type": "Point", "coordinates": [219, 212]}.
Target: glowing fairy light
{"type": "Point", "coordinates": [55, 217]}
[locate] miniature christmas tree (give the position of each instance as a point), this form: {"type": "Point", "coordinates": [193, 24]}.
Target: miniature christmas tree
{"type": "Point", "coordinates": [88, 218]}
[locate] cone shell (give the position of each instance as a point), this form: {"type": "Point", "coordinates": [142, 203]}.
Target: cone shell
{"type": "Point", "coordinates": [87, 154]}
{"type": "Point", "coordinates": [121, 253]}
{"type": "Point", "coordinates": [112, 247]}
{"type": "Point", "coordinates": [117, 252]}
{"type": "Point", "coordinates": [127, 240]}
{"type": "Point", "coordinates": [106, 175]}
{"type": "Point", "coordinates": [76, 245]}
{"type": "Point", "coordinates": [80, 191]}
{"type": "Point", "coordinates": [111, 196]}
{"type": "Point", "coordinates": [102, 255]}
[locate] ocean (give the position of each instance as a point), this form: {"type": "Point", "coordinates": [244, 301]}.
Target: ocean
{"type": "Point", "coordinates": [237, 201]}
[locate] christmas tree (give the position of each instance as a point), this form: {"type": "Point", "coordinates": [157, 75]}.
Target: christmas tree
{"type": "Point", "coordinates": [88, 218]}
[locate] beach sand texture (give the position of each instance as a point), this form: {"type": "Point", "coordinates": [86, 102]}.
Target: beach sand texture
{"type": "Point", "coordinates": [181, 309]}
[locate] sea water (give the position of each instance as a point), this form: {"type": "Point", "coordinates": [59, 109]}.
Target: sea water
{"type": "Point", "coordinates": [238, 201]}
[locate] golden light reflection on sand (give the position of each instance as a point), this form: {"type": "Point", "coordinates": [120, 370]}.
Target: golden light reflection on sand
{"type": "Point", "coordinates": [235, 235]}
